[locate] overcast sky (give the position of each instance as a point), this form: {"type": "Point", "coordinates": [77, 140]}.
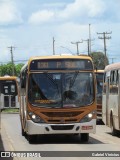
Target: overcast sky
{"type": "Point", "coordinates": [30, 25]}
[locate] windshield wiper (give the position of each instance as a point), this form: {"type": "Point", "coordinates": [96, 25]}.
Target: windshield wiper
{"type": "Point", "coordinates": [52, 80]}
{"type": "Point", "coordinates": [73, 80]}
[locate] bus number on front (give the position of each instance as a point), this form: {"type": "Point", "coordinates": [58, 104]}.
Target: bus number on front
{"type": "Point", "coordinates": [42, 64]}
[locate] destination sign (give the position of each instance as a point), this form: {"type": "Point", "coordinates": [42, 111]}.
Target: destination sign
{"type": "Point", "coordinates": [61, 64]}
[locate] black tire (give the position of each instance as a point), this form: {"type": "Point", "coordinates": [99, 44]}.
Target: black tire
{"type": "Point", "coordinates": [113, 130]}
{"type": "Point", "coordinates": [84, 137]}
{"type": "Point", "coordinates": [31, 139]}
{"type": "Point", "coordinates": [23, 132]}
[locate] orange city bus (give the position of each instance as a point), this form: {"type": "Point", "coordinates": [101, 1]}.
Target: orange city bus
{"type": "Point", "coordinates": [57, 96]}
{"type": "Point", "coordinates": [99, 82]}
{"type": "Point", "coordinates": [9, 97]}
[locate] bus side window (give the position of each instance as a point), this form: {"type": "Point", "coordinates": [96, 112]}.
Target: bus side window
{"type": "Point", "coordinates": [111, 80]}
{"type": "Point", "coordinates": [117, 78]}
{"type": "Point", "coordinates": [114, 82]}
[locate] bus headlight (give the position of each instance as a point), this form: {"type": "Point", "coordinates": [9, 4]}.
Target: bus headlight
{"type": "Point", "coordinates": [87, 118]}
{"type": "Point", "coordinates": [35, 118]}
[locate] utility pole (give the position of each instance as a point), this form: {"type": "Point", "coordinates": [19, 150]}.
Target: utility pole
{"type": "Point", "coordinates": [89, 39]}
{"type": "Point", "coordinates": [88, 45]}
{"type": "Point", "coordinates": [77, 43]}
{"type": "Point", "coordinates": [12, 61]}
{"type": "Point", "coordinates": [53, 46]}
{"type": "Point", "coordinates": [104, 38]}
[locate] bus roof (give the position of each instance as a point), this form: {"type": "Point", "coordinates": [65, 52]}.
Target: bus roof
{"type": "Point", "coordinates": [8, 78]}
{"type": "Point", "coordinates": [112, 66]}
{"type": "Point", "coordinates": [61, 57]}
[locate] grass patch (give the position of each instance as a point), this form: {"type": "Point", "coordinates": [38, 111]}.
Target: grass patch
{"type": "Point", "coordinates": [10, 110]}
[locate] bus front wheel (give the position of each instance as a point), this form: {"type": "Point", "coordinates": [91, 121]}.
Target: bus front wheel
{"type": "Point", "coordinates": [23, 132]}
{"type": "Point", "coordinates": [84, 137]}
{"type": "Point", "coordinates": [31, 138]}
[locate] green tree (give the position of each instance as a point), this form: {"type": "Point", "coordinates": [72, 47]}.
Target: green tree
{"type": "Point", "coordinates": [6, 69]}
{"type": "Point", "coordinates": [18, 68]}
{"type": "Point", "coordinates": [99, 60]}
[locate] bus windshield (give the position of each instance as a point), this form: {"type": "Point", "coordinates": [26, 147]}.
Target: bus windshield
{"type": "Point", "coordinates": [57, 90]}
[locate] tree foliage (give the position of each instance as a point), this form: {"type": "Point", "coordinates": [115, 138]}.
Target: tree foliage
{"type": "Point", "coordinates": [7, 69]}
{"type": "Point", "coordinates": [99, 60]}
{"type": "Point", "coordinates": [18, 68]}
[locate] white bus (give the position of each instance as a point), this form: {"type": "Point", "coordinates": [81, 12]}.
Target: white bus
{"type": "Point", "coordinates": [111, 97]}
{"type": "Point", "coordinates": [9, 97]}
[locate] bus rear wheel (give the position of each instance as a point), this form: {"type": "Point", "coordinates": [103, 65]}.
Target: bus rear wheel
{"type": "Point", "coordinates": [84, 137]}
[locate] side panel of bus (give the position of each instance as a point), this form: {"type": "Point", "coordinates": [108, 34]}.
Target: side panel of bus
{"type": "Point", "coordinates": [105, 97]}
{"type": "Point", "coordinates": [119, 98]}
{"type": "Point", "coordinates": [111, 101]}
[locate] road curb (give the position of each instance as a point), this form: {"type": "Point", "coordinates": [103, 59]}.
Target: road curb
{"type": "Point", "coordinates": [10, 113]}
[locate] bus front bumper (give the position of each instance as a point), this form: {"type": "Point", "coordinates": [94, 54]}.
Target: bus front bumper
{"type": "Point", "coordinates": [73, 128]}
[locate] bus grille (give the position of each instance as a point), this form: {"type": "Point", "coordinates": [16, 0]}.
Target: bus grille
{"type": "Point", "coordinates": [65, 127]}
{"type": "Point", "coordinates": [62, 114]}
{"type": "Point", "coordinates": [62, 117]}
{"type": "Point", "coordinates": [62, 121]}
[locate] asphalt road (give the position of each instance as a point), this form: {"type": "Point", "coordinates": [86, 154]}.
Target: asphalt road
{"type": "Point", "coordinates": [12, 140]}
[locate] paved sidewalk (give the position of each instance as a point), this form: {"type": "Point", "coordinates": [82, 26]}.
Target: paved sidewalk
{"type": "Point", "coordinates": [4, 143]}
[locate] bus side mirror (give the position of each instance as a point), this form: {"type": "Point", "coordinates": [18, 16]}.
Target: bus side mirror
{"type": "Point", "coordinates": [23, 82]}
{"type": "Point", "coordinates": [23, 77]}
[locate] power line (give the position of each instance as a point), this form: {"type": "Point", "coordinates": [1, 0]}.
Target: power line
{"type": "Point", "coordinates": [14, 61]}
{"type": "Point", "coordinates": [67, 49]}
{"type": "Point", "coordinates": [112, 59]}
{"type": "Point", "coordinates": [21, 60]}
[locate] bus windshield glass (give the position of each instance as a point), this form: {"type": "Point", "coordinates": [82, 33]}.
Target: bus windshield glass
{"type": "Point", "coordinates": [57, 90]}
